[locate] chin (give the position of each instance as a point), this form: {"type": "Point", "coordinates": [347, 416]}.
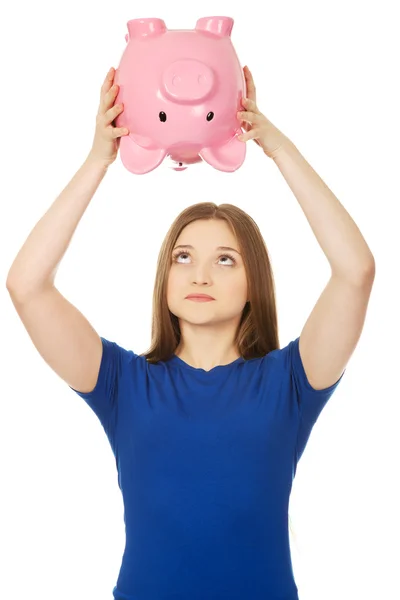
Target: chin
{"type": "Point", "coordinates": [196, 315]}
{"type": "Point", "coordinates": [196, 320]}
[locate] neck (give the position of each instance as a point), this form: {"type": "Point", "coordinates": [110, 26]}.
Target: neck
{"type": "Point", "coordinates": [208, 346]}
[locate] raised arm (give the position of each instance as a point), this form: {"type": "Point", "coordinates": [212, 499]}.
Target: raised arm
{"type": "Point", "coordinates": [60, 333]}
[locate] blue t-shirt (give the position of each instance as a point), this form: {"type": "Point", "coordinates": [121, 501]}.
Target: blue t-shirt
{"type": "Point", "coordinates": [205, 463]}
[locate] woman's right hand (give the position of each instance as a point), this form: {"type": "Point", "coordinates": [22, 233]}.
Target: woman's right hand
{"type": "Point", "coordinates": [107, 137]}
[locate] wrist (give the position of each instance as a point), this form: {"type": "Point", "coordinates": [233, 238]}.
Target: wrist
{"type": "Point", "coordinates": [94, 162]}
{"type": "Point", "coordinates": [283, 147]}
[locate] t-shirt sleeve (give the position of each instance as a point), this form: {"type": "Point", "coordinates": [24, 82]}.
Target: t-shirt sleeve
{"type": "Point", "coordinates": [310, 401]}
{"type": "Point", "coordinates": [103, 399]}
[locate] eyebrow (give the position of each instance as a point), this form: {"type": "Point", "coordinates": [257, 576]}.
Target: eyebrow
{"type": "Point", "coordinates": [217, 248]}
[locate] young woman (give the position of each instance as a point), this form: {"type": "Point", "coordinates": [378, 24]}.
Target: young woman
{"type": "Point", "coordinates": [208, 426]}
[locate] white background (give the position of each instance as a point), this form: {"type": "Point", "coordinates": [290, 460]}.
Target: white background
{"type": "Point", "coordinates": [327, 76]}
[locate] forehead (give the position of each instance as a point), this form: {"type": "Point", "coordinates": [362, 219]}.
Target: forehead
{"type": "Point", "coordinates": [202, 232]}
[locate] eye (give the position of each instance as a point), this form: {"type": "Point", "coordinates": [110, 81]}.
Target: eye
{"type": "Point", "coordinates": [210, 116]}
{"type": "Point", "coordinates": [183, 253]}
{"type": "Point", "coordinates": [163, 116]}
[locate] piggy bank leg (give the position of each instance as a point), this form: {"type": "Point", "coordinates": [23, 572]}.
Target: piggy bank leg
{"type": "Point", "coordinates": [139, 160]}
{"type": "Point", "coordinates": [227, 157]}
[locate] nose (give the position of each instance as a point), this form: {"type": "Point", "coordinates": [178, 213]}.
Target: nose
{"type": "Point", "coordinates": [201, 278]}
{"type": "Point", "coordinates": [188, 80]}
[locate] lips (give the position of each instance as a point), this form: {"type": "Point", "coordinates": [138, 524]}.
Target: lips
{"type": "Point", "coordinates": [200, 296]}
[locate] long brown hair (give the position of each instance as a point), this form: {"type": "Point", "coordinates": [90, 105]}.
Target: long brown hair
{"type": "Point", "coordinates": [257, 333]}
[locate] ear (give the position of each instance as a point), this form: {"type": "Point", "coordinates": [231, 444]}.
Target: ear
{"type": "Point", "coordinates": [221, 26]}
{"type": "Point", "coordinates": [145, 28]}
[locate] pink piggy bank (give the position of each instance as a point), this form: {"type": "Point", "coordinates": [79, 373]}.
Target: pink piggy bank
{"type": "Point", "coordinates": [181, 91]}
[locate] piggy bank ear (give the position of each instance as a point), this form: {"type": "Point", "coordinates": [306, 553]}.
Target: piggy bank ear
{"type": "Point", "coordinates": [221, 26]}
{"type": "Point", "coordinates": [145, 28]}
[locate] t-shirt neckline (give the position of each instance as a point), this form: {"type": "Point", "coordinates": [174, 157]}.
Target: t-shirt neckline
{"type": "Point", "coordinates": [176, 360]}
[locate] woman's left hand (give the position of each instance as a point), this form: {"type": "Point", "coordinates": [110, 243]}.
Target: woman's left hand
{"type": "Point", "coordinates": [256, 125]}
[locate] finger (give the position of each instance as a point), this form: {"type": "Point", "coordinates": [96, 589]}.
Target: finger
{"type": "Point", "coordinates": [249, 117]}
{"type": "Point", "coordinates": [112, 113]}
{"type": "Point", "coordinates": [119, 132]}
{"type": "Point", "coordinates": [110, 75]}
{"type": "Point", "coordinates": [251, 88]}
{"type": "Point", "coordinates": [249, 135]}
{"type": "Point", "coordinates": [108, 99]}
{"type": "Point", "coordinates": [107, 82]}
{"type": "Point", "coordinates": [250, 105]}
{"type": "Point", "coordinates": [111, 94]}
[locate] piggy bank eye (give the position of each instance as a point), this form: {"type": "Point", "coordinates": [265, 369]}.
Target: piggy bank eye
{"type": "Point", "coordinates": [163, 116]}
{"type": "Point", "coordinates": [210, 116]}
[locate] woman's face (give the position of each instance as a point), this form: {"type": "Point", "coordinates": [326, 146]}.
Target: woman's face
{"type": "Point", "coordinates": [199, 267]}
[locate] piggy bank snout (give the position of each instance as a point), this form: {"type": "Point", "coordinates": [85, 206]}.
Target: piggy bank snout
{"type": "Point", "coordinates": [188, 80]}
